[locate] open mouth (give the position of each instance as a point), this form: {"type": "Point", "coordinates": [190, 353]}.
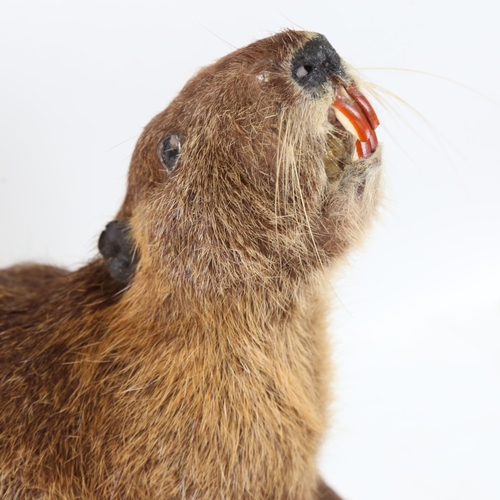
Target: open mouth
{"type": "Point", "coordinates": [352, 112]}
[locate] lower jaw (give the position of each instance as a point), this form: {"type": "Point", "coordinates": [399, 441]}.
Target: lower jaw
{"type": "Point", "coordinates": [343, 163]}
{"type": "Point", "coordinates": [338, 156]}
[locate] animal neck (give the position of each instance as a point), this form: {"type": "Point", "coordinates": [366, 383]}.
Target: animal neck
{"type": "Point", "coordinates": [237, 380]}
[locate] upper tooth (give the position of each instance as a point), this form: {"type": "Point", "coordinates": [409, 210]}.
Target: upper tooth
{"type": "Point", "coordinates": [364, 104]}
{"type": "Point", "coordinates": [345, 122]}
{"type": "Point", "coordinates": [349, 111]}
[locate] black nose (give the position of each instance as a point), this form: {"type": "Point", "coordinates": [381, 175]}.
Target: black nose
{"type": "Point", "coordinates": [316, 63]}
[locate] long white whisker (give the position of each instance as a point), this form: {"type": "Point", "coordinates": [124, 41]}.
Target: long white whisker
{"type": "Point", "coordinates": [434, 75]}
{"type": "Point", "coordinates": [443, 141]}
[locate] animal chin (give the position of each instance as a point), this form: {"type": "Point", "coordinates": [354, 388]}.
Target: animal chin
{"type": "Point", "coordinates": [354, 122]}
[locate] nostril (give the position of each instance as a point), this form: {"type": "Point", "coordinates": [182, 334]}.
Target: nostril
{"type": "Point", "coordinates": [303, 70]}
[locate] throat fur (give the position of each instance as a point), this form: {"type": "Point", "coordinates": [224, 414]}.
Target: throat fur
{"type": "Point", "coordinates": [242, 398]}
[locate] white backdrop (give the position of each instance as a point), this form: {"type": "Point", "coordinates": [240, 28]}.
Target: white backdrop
{"type": "Point", "coordinates": [416, 334]}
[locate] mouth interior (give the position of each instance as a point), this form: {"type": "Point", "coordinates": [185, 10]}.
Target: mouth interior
{"type": "Point", "coordinates": [351, 112]}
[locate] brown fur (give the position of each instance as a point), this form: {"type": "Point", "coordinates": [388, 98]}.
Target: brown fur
{"type": "Point", "coordinates": [206, 377]}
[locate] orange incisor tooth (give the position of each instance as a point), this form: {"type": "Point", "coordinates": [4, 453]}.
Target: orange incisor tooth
{"type": "Point", "coordinates": [373, 141]}
{"type": "Point", "coordinates": [365, 105]}
{"type": "Point", "coordinates": [354, 116]}
{"type": "Point", "coordinates": [363, 149]}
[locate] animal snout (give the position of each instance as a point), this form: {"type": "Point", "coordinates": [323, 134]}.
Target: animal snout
{"type": "Point", "coordinates": [315, 64]}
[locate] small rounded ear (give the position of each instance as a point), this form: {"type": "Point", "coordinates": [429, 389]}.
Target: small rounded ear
{"type": "Point", "coordinates": [116, 246]}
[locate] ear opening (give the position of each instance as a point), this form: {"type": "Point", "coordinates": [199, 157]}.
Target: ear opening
{"type": "Point", "coordinates": [116, 246]}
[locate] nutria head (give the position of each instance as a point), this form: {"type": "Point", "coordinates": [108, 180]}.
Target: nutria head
{"type": "Point", "coordinates": [254, 174]}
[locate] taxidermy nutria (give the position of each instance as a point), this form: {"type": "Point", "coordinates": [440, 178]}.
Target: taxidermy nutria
{"type": "Point", "coordinates": [190, 360]}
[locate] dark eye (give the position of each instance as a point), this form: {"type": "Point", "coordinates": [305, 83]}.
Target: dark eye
{"type": "Point", "coordinates": [170, 150]}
